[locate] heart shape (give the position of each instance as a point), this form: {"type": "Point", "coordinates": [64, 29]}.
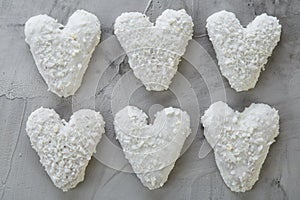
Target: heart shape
{"type": "Point", "coordinates": [65, 148]}
{"type": "Point", "coordinates": [241, 141]}
{"type": "Point", "coordinates": [62, 53]}
{"type": "Point", "coordinates": [154, 51]}
{"type": "Point", "coordinates": [242, 52]}
{"type": "Point", "coordinates": [152, 150]}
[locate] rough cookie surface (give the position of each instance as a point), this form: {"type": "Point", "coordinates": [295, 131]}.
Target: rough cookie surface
{"type": "Point", "coordinates": [242, 52]}
{"type": "Point", "coordinates": [65, 148]}
{"type": "Point", "coordinates": [62, 53]}
{"type": "Point", "coordinates": [152, 150]}
{"type": "Point", "coordinates": [154, 51]}
{"type": "Point", "coordinates": [240, 141]}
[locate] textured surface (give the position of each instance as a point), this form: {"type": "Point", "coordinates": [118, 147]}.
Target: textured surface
{"type": "Point", "coordinates": [62, 53]}
{"type": "Point", "coordinates": [242, 52]}
{"type": "Point", "coordinates": [152, 149]}
{"type": "Point", "coordinates": [241, 141]}
{"type": "Point", "coordinates": [65, 148]}
{"type": "Point", "coordinates": [23, 90]}
{"type": "Point", "coordinates": [154, 50]}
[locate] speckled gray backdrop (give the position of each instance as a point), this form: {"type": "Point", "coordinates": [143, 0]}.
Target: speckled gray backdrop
{"type": "Point", "coordinates": [22, 90]}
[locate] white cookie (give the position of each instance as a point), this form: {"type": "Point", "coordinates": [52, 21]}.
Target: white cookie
{"type": "Point", "coordinates": [154, 51]}
{"type": "Point", "coordinates": [240, 141]}
{"type": "Point", "coordinates": [62, 53]}
{"type": "Point", "coordinates": [242, 52]}
{"type": "Point", "coordinates": [152, 150]}
{"type": "Point", "coordinates": [65, 148]}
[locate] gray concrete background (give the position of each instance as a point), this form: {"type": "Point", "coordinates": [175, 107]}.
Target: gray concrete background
{"type": "Point", "coordinates": [22, 90]}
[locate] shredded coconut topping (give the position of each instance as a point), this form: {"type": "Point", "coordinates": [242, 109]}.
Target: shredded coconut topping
{"type": "Point", "coordinates": [154, 51]}
{"type": "Point", "coordinates": [152, 150]}
{"type": "Point", "coordinates": [240, 141]}
{"type": "Point", "coordinates": [62, 53]}
{"type": "Point", "coordinates": [242, 52]}
{"type": "Point", "coordinates": [65, 148]}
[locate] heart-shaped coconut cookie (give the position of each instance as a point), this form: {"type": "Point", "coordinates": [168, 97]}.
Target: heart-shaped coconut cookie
{"type": "Point", "coordinates": [240, 141]}
{"type": "Point", "coordinates": [62, 53]}
{"type": "Point", "coordinates": [242, 52]}
{"type": "Point", "coordinates": [154, 51]}
{"type": "Point", "coordinates": [65, 148]}
{"type": "Point", "coordinates": [152, 150]}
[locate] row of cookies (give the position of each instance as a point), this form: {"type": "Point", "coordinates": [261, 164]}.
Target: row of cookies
{"type": "Point", "coordinates": [240, 140]}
